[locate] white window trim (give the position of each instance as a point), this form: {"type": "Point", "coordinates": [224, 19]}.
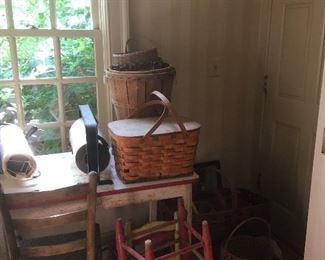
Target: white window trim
{"type": "Point", "coordinates": [114, 23]}
{"type": "Point", "coordinates": [58, 80]}
{"type": "Point", "coordinates": [104, 39]}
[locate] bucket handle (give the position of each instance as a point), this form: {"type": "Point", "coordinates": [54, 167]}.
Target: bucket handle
{"type": "Point", "coordinates": [244, 222]}
{"type": "Point", "coordinates": [127, 43]}
{"type": "Point", "coordinates": [167, 108]}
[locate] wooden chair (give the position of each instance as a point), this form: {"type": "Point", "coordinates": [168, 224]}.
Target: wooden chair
{"type": "Point", "coordinates": [65, 206]}
{"type": "Point", "coordinates": [153, 236]}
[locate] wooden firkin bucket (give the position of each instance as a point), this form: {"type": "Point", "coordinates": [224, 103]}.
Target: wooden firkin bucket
{"type": "Point", "coordinates": [131, 89]}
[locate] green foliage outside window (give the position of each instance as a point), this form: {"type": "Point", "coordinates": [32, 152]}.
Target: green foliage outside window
{"type": "Point", "coordinates": [36, 60]}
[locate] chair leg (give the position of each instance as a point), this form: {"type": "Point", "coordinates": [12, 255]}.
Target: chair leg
{"type": "Point", "coordinates": [119, 240]}
{"type": "Point", "coordinates": [148, 250]}
{"type": "Point", "coordinates": [183, 232]}
{"type": "Point", "coordinates": [98, 243]}
{"type": "Point", "coordinates": [207, 245]}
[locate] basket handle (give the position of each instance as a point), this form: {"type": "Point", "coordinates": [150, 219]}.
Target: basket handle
{"type": "Point", "coordinates": [127, 43]}
{"type": "Point", "coordinates": [167, 108]}
{"type": "Point", "coordinates": [170, 109]}
{"type": "Point", "coordinates": [244, 223]}
{"type": "Point", "coordinates": [149, 104]}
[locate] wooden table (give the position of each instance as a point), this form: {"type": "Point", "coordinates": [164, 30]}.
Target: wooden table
{"type": "Point", "coordinates": [59, 171]}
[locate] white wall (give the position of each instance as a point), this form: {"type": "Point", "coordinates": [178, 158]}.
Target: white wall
{"type": "Point", "coordinates": [190, 33]}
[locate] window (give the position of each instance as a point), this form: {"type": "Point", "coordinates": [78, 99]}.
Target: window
{"type": "Point", "coordinates": [50, 62]}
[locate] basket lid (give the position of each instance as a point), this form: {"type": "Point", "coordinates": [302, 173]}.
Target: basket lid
{"type": "Point", "coordinates": [140, 126]}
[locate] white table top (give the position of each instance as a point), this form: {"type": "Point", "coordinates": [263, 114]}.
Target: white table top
{"type": "Point", "coordinates": [59, 171]}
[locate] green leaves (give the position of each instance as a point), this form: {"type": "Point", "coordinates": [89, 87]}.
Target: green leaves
{"type": "Point", "coordinates": [77, 57]}
{"type": "Point", "coordinates": [31, 14]}
{"type": "Point", "coordinates": [5, 59]}
{"type": "Point", "coordinates": [35, 57]}
{"type": "Point", "coordinates": [36, 60]}
{"type": "Point", "coordinates": [73, 14]}
{"type": "Point", "coordinates": [40, 103]}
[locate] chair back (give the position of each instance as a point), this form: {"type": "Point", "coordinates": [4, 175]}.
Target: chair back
{"type": "Point", "coordinates": [43, 210]}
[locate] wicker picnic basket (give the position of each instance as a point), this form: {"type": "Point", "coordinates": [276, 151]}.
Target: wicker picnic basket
{"type": "Point", "coordinates": [154, 147]}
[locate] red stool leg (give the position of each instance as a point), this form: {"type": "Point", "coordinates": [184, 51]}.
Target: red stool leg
{"type": "Point", "coordinates": [148, 250]}
{"type": "Point", "coordinates": [119, 240]}
{"type": "Point", "coordinates": [207, 245]}
{"type": "Point", "coordinates": [183, 232]}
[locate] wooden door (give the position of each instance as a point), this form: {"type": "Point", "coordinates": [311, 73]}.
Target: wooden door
{"type": "Point", "coordinates": [289, 125]}
{"type": "Point", "coordinates": [314, 249]}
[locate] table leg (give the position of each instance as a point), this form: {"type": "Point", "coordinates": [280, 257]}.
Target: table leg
{"type": "Point", "coordinates": [153, 207]}
{"type": "Point", "coordinates": [188, 201]}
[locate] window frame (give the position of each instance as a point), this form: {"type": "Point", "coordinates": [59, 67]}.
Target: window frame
{"type": "Point", "coordinates": [59, 81]}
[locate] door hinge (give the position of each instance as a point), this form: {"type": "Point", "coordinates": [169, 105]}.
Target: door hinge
{"type": "Point", "coordinates": [265, 83]}
{"type": "Point", "coordinates": [265, 80]}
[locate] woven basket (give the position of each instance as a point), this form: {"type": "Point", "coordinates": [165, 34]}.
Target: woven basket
{"type": "Point", "coordinates": [131, 89]}
{"type": "Point", "coordinates": [156, 147]}
{"type": "Point", "coordinates": [136, 60]}
{"type": "Point", "coordinates": [246, 247]}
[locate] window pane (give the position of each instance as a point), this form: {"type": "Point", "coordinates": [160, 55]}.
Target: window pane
{"type": "Point", "coordinates": [5, 59]}
{"type": "Point", "coordinates": [67, 139]}
{"type": "Point", "coordinates": [35, 57]}
{"type": "Point", "coordinates": [40, 103]}
{"type": "Point", "coordinates": [78, 94]}
{"type": "Point", "coordinates": [8, 108]}
{"type": "Point", "coordinates": [3, 20]}
{"type": "Point", "coordinates": [31, 13]}
{"type": "Point", "coordinates": [45, 141]}
{"type": "Point", "coordinates": [77, 57]}
{"type": "Point", "coordinates": [73, 14]}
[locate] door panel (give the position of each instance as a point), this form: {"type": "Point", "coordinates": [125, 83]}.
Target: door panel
{"type": "Point", "coordinates": [289, 125]}
{"type": "Point", "coordinates": [294, 50]}
{"type": "Point", "coordinates": [284, 162]}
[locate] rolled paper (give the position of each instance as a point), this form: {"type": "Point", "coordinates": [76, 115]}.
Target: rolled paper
{"type": "Point", "coordinates": [78, 142]}
{"type": "Point", "coordinates": [17, 158]}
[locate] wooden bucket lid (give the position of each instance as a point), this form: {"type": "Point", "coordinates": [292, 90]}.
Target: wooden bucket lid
{"type": "Point", "coordinates": [138, 127]}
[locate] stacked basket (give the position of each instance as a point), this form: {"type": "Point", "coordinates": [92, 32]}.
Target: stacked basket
{"type": "Point", "coordinates": [153, 144]}
{"type": "Point", "coordinates": [133, 76]}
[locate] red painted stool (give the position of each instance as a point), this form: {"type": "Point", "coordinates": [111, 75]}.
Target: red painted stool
{"type": "Point", "coordinates": [153, 236]}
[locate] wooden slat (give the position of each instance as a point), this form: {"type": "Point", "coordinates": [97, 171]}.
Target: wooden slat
{"type": "Point", "coordinates": [152, 227]}
{"type": "Point", "coordinates": [8, 228]}
{"type": "Point", "coordinates": [133, 253]}
{"type": "Point", "coordinates": [49, 209]}
{"type": "Point", "coordinates": [182, 251]}
{"type": "Point", "coordinates": [50, 250]}
{"type": "Point", "coordinates": [50, 221]}
{"type": "Point", "coordinates": [33, 199]}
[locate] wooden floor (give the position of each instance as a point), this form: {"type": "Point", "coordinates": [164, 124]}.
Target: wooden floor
{"type": "Point", "coordinates": [288, 254]}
